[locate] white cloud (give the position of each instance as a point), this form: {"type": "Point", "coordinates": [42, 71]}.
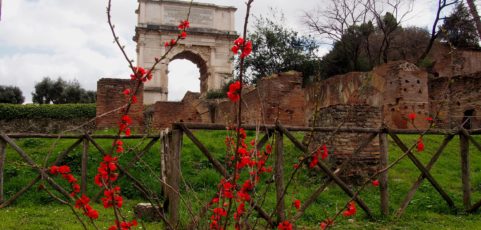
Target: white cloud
{"type": "Point", "coordinates": [71, 38]}
{"type": "Point", "coordinates": [183, 76]}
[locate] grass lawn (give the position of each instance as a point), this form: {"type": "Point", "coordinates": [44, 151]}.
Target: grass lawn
{"type": "Point", "coordinates": [36, 210]}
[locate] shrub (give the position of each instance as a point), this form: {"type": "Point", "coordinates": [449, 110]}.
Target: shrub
{"type": "Point", "coordinates": [64, 111]}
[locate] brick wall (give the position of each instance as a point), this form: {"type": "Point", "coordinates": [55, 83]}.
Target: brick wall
{"type": "Point", "coordinates": [452, 97]}
{"type": "Point", "coordinates": [405, 92]}
{"type": "Point", "coordinates": [385, 95]}
{"type": "Point", "coordinates": [278, 97]}
{"type": "Point", "coordinates": [110, 97]}
{"type": "Point", "coordinates": [167, 112]}
{"type": "Point", "coordinates": [342, 145]}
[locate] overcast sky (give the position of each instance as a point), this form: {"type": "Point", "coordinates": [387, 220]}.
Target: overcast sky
{"type": "Point", "coordinates": [71, 39]}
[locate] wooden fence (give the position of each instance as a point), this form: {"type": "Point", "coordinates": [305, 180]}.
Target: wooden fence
{"type": "Point", "coordinates": [171, 168]}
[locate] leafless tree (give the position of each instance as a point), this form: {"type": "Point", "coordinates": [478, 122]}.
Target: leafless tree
{"type": "Point", "coordinates": [332, 22]}
{"type": "Point", "coordinates": [389, 14]}
{"type": "Point", "coordinates": [475, 14]}
{"type": "Point", "coordinates": [442, 4]}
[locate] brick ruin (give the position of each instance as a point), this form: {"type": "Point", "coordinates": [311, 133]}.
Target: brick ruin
{"type": "Point", "coordinates": [278, 97]}
{"type": "Point", "coordinates": [110, 97]}
{"type": "Point", "coordinates": [385, 95]}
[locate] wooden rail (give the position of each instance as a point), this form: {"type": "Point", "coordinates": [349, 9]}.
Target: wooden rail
{"type": "Point", "coordinates": [171, 153]}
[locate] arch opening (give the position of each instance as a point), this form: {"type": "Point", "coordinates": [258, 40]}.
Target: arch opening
{"type": "Point", "coordinates": [468, 118]}
{"type": "Point", "coordinates": [187, 71]}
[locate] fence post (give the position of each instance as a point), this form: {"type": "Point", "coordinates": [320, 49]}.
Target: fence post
{"type": "Point", "coordinates": [173, 175]}
{"type": "Point", "coordinates": [85, 158]}
{"type": "Point", "coordinates": [383, 177]}
{"type": "Point", "coordinates": [465, 171]}
{"type": "Point", "coordinates": [279, 176]}
{"type": "Point", "coordinates": [2, 166]}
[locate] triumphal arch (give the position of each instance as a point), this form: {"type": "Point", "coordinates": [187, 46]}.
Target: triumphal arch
{"type": "Point", "coordinates": [211, 35]}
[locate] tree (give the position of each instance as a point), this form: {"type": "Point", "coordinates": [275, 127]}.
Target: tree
{"type": "Point", "coordinates": [475, 15]}
{"type": "Point", "coordinates": [331, 21]}
{"type": "Point", "coordinates": [459, 29]}
{"type": "Point", "coordinates": [61, 92]}
{"type": "Point", "coordinates": [278, 49]}
{"type": "Point", "coordinates": [11, 95]}
{"type": "Point", "coordinates": [442, 4]}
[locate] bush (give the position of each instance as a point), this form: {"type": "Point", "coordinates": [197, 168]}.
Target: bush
{"type": "Point", "coordinates": [64, 111]}
{"type": "Point", "coordinates": [215, 94]}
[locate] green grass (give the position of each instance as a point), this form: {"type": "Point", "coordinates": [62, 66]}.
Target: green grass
{"type": "Point", "coordinates": [36, 210]}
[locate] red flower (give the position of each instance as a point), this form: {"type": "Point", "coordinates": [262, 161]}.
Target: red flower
{"type": "Point", "coordinates": [351, 209]}
{"type": "Point", "coordinates": [297, 204]}
{"type": "Point", "coordinates": [76, 188]}
{"type": "Point", "coordinates": [247, 49]}
{"type": "Point", "coordinates": [285, 225]}
{"type": "Point", "coordinates": [134, 99]}
{"type": "Point", "coordinates": [240, 211]}
{"type": "Point", "coordinates": [420, 145]}
{"type": "Point", "coordinates": [126, 92]}
{"type": "Point", "coordinates": [412, 116]}
{"type": "Point", "coordinates": [326, 223]}
{"type": "Point", "coordinates": [183, 35]}
{"type": "Point", "coordinates": [239, 41]}
{"type": "Point", "coordinates": [126, 119]}
{"type": "Point", "coordinates": [375, 183]}
{"type": "Point", "coordinates": [54, 170]}
{"type": "Point", "coordinates": [430, 119]}
{"type": "Point", "coordinates": [314, 161]}
{"type": "Point", "coordinates": [84, 200]}
{"type": "Point", "coordinates": [173, 42]}
{"type": "Point", "coordinates": [184, 25]}
{"type": "Point", "coordinates": [64, 169]}
{"type": "Point", "coordinates": [127, 132]}
{"type": "Point", "coordinates": [234, 94]}
{"type": "Point", "coordinates": [325, 153]}
{"type": "Point", "coordinates": [220, 211]}
{"type": "Point", "coordinates": [92, 213]}
{"type": "Point", "coordinates": [235, 49]}
{"type": "Point", "coordinates": [268, 149]}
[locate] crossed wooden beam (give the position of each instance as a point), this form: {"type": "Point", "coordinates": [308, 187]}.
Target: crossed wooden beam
{"type": "Point", "coordinates": [466, 138]}
{"type": "Point", "coordinates": [43, 175]}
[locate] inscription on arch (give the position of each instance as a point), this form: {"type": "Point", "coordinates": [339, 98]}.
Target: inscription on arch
{"type": "Point", "coordinates": [210, 37]}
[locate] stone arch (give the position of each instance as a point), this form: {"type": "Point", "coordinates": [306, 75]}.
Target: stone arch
{"type": "Point", "coordinates": [200, 61]}
{"type": "Point", "coordinates": [207, 45]}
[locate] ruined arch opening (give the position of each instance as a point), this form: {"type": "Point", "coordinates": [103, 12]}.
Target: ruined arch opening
{"type": "Point", "coordinates": [468, 118]}
{"type": "Point", "coordinates": [187, 71]}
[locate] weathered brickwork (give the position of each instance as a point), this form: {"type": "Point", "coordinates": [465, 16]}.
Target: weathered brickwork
{"type": "Point", "coordinates": [167, 112]}
{"type": "Point", "coordinates": [456, 97]}
{"type": "Point", "coordinates": [385, 95]}
{"type": "Point", "coordinates": [397, 88]}
{"type": "Point", "coordinates": [278, 97]}
{"type": "Point", "coordinates": [342, 145]}
{"type": "Point", "coordinates": [110, 97]}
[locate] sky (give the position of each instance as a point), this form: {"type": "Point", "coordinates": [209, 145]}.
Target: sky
{"type": "Point", "coordinates": [71, 39]}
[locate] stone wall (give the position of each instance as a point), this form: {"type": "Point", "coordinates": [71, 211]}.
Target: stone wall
{"type": "Point", "coordinates": [385, 95]}
{"type": "Point", "coordinates": [168, 112]}
{"type": "Point", "coordinates": [454, 62]}
{"type": "Point", "coordinates": [405, 91]}
{"type": "Point", "coordinates": [342, 145]}
{"type": "Point", "coordinates": [278, 97]}
{"type": "Point", "coordinates": [110, 97]}
{"type": "Point", "coordinates": [455, 97]}
{"type": "Point", "coordinates": [398, 88]}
